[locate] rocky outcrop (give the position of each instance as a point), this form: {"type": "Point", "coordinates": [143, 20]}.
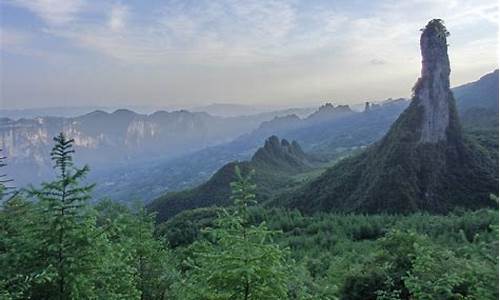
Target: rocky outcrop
{"type": "Point", "coordinates": [432, 90]}
{"type": "Point", "coordinates": [274, 164]}
{"type": "Point", "coordinates": [423, 163]}
{"type": "Point", "coordinates": [281, 155]}
{"type": "Point", "coordinates": [328, 112]}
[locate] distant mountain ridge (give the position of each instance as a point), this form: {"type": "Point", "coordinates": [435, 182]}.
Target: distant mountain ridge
{"type": "Point", "coordinates": [107, 140]}
{"type": "Point", "coordinates": [239, 110]}
{"type": "Point", "coordinates": [482, 93]}
{"type": "Point", "coordinates": [328, 137]}
{"type": "Point", "coordinates": [144, 175]}
{"type": "Point", "coordinates": [324, 136]}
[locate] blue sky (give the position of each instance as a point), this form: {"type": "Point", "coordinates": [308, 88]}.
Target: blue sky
{"type": "Point", "coordinates": [186, 53]}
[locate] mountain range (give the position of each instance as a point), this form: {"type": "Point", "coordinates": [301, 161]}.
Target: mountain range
{"type": "Point", "coordinates": [327, 132]}
{"type": "Point", "coordinates": [108, 141]}
{"type": "Point", "coordinates": [442, 167]}
{"type": "Point", "coordinates": [139, 156]}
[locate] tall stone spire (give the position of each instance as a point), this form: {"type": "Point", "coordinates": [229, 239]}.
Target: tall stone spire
{"type": "Point", "coordinates": [422, 163]}
{"type": "Point", "coordinates": [432, 90]}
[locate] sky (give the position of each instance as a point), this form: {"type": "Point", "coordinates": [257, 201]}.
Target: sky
{"type": "Point", "coordinates": [182, 53]}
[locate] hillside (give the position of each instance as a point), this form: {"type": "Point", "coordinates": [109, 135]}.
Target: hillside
{"type": "Point", "coordinates": [425, 146]}
{"type": "Point", "coordinates": [274, 164]}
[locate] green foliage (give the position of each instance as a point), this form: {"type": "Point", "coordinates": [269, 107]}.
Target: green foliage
{"type": "Point", "coordinates": [244, 251]}
{"type": "Point", "coordinates": [66, 227]}
{"type": "Point", "coordinates": [19, 244]}
{"type": "Point", "coordinates": [240, 262]}
{"type": "Point", "coordinates": [148, 263]}
{"type": "Point", "coordinates": [57, 246]}
{"type": "Point", "coordinates": [379, 256]}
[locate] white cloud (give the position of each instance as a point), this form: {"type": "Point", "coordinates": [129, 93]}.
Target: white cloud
{"type": "Point", "coordinates": [54, 12]}
{"type": "Point", "coordinates": [117, 18]}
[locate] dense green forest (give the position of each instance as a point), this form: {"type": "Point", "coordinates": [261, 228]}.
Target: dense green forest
{"type": "Point", "coordinates": [56, 244]}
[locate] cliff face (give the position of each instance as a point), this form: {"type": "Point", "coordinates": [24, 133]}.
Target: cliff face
{"type": "Point", "coordinates": [432, 90]}
{"type": "Point", "coordinates": [105, 140]}
{"type": "Point", "coordinates": [422, 163]}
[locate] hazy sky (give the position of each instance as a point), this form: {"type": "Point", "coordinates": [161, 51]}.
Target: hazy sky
{"type": "Point", "coordinates": [184, 53]}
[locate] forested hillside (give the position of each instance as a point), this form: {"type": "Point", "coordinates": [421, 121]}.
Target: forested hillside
{"type": "Point", "coordinates": [55, 245]}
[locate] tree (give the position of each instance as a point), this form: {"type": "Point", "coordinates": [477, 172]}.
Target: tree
{"type": "Point", "coordinates": [18, 242]}
{"type": "Point", "coordinates": [68, 228]}
{"type": "Point", "coordinates": [240, 262]}
{"type": "Point", "coordinates": [132, 238]}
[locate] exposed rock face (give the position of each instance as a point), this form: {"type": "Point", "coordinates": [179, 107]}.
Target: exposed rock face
{"type": "Point", "coordinates": [105, 140]}
{"type": "Point", "coordinates": [432, 90]}
{"type": "Point", "coordinates": [281, 155]}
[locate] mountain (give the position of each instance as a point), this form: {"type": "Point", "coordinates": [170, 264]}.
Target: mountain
{"type": "Point", "coordinates": [108, 140]}
{"type": "Point", "coordinates": [326, 137]}
{"type": "Point", "coordinates": [329, 111]}
{"type": "Point", "coordinates": [238, 110]}
{"type": "Point", "coordinates": [422, 163]}
{"type": "Point", "coordinates": [149, 168]}
{"type": "Point", "coordinates": [482, 93]}
{"type": "Point", "coordinates": [274, 164]}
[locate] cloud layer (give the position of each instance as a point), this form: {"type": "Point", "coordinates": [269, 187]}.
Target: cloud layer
{"type": "Point", "coordinates": [253, 51]}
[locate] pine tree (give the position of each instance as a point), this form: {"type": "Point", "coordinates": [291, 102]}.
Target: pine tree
{"type": "Point", "coordinates": [68, 225]}
{"type": "Point", "coordinates": [242, 262]}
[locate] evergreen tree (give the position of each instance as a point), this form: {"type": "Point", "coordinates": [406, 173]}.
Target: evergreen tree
{"type": "Point", "coordinates": [241, 262]}
{"type": "Point", "coordinates": [67, 229]}
{"type": "Point", "coordinates": [18, 242]}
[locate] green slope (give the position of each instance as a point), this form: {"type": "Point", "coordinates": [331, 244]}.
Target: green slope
{"type": "Point", "coordinates": [275, 164]}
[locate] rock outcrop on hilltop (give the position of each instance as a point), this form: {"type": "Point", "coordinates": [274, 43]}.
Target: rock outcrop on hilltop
{"type": "Point", "coordinates": [422, 163]}
{"type": "Point", "coordinates": [281, 156]}
{"type": "Point", "coordinates": [273, 163]}
{"type": "Point", "coordinates": [432, 90]}
{"type": "Point", "coordinates": [328, 112]}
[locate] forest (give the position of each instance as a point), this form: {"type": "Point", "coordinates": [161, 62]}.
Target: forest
{"type": "Point", "coordinates": [57, 243]}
